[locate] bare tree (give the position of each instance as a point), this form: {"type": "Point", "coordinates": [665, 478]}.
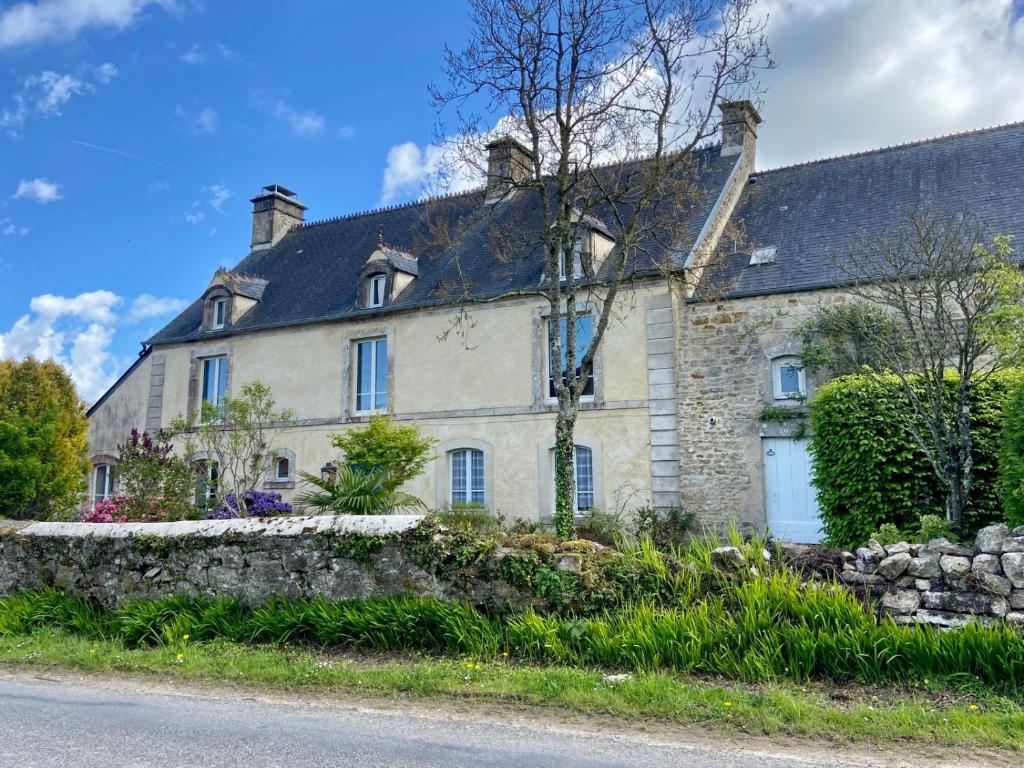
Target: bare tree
{"type": "Point", "coordinates": [949, 299]}
{"type": "Point", "coordinates": [609, 99]}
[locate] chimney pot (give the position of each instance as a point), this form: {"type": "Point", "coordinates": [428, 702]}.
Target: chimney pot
{"type": "Point", "coordinates": [275, 211]}
{"type": "Point", "coordinates": [739, 128]}
{"type": "Point", "coordinates": [509, 165]}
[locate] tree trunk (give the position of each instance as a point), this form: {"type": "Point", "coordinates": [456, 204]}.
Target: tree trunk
{"type": "Point", "coordinates": [565, 476]}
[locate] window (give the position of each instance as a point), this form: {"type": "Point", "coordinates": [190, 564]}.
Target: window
{"type": "Point", "coordinates": [283, 469]}
{"type": "Point", "coordinates": [788, 382]}
{"type": "Point", "coordinates": [215, 380]}
{"type": "Point", "coordinates": [206, 490]}
{"type": "Point", "coordinates": [584, 334]}
{"type": "Point", "coordinates": [577, 265]}
{"type": "Point", "coordinates": [376, 286]}
{"type": "Point", "coordinates": [102, 482]}
{"type": "Point", "coordinates": [467, 476]}
{"type": "Point", "coordinates": [220, 313]}
{"type": "Point", "coordinates": [371, 376]}
{"type": "Point", "coordinates": [583, 466]}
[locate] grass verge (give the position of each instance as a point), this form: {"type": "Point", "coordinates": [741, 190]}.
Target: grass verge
{"type": "Point", "coordinates": [966, 719]}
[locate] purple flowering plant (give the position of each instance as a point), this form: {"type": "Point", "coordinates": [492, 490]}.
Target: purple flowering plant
{"type": "Point", "coordinates": [259, 504]}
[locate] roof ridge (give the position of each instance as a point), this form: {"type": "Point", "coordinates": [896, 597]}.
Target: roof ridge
{"type": "Point", "coordinates": [395, 207]}
{"type": "Point", "coordinates": [891, 147]}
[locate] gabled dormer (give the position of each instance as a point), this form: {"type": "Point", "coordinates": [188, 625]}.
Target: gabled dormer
{"type": "Point", "coordinates": [228, 297]}
{"type": "Point", "coordinates": [385, 275]}
{"type": "Point", "coordinates": [592, 242]}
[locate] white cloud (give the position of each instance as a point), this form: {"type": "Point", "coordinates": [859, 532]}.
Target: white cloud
{"type": "Point", "coordinates": [26, 23]}
{"type": "Point", "coordinates": [194, 55]}
{"type": "Point", "coordinates": [146, 306]}
{"type": "Point", "coordinates": [858, 75]}
{"type": "Point", "coordinates": [346, 132]}
{"type": "Point", "coordinates": [104, 73]}
{"type": "Point", "coordinates": [205, 120]}
{"type": "Point", "coordinates": [303, 123]}
{"type": "Point", "coordinates": [40, 190]}
{"type": "Point", "coordinates": [193, 216]}
{"type": "Point", "coordinates": [78, 331]}
{"type": "Point", "coordinates": [218, 195]}
{"type": "Point", "coordinates": [11, 229]}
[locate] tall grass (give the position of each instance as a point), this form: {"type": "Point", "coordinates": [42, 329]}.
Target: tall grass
{"type": "Point", "coordinates": [756, 629]}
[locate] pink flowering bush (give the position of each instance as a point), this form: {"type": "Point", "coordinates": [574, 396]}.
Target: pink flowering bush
{"type": "Point", "coordinates": [107, 511]}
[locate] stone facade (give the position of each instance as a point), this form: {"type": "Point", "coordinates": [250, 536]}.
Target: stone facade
{"type": "Point", "coordinates": [725, 353]}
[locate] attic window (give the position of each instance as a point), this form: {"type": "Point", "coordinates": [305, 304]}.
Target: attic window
{"type": "Point", "coordinates": [220, 313]}
{"type": "Point", "coordinates": [764, 255]}
{"type": "Point", "coordinates": [375, 288]}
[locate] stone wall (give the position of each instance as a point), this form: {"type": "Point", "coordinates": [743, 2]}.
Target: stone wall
{"type": "Point", "coordinates": [252, 559]}
{"type": "Point", "coordinates": [942, 583]}
{"type": "Point", "coordinates": [724, 384]}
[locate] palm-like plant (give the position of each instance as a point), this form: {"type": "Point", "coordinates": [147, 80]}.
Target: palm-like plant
{"type": "Point", "coordinates": [356, 492]}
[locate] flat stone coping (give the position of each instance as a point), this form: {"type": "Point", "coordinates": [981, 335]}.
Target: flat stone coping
{"type": "Point", "coordinates": [369, 525]}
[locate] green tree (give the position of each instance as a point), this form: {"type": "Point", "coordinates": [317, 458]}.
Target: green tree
{"type": "Point", "coordinates": [156, 483]}
{"type": "Point", "coordinates": [43, 466]}
{"type": "Point", "coordinates": [400, 450]}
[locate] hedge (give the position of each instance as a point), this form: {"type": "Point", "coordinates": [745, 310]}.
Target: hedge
{"type": "Point", "coordinates": [869, 470]}
{"type": "Point", "coordinates": [1011, 459]}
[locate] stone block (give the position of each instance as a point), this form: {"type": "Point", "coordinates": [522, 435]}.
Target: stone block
{"type": "Point", "coordinates": [901, 602]}
{"type": "Point", "coordinates": [990, 539]}
{"type": "Point", "coordinates": [954, 565]}
{"type": "Point", "coordinates": [1013, 544]}
{"type": "Point", "coordinates": [986, 564]}
{"type": "Point", "coordinates": [1013, 567]}
{"type": "Point", "coordinates": [898, 548]}
{"type": "Point", "coordinates": [862, 579]}
{"type": "Point", "coordinates": [998, 585]}
{"type": "Point", "coordinates": [1016, 601]}
{"type": "Point", "coordinates": [958, 602]}
{"type": "Point", "coordinates": [894, 566]}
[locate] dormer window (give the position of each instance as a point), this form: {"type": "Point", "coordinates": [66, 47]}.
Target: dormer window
{"type": "Point", "coordinates": [220, 314]}
{"type": "Point", "coordinates": [375, 290]}
{"type": "Point", "coordinates": [577, 263]}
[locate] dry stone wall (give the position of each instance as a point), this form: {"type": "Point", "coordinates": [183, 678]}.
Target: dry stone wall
{"type": "Point", "coordinates": [942, 583]}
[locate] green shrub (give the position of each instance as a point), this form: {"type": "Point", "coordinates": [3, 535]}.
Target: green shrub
{"type": "Point", "coordinates": [384, 445]}
{"type": "Point", "coordinates": [887, 534]}
{"type": "Point", "coordinates": [869, 470]}
{"type": "Point", "coordinates": [934, 527]}
{"type": "Point", "coordinates": [474, 517]}
{"type": "Point", "coordinates": [666, 528]}
{"type": "Point", "coordinates": [603, 527]}
{"type": "Point", "coordinates": [1011, 459]}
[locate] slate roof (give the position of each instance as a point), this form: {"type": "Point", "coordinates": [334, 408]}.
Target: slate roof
{"type": "Point", "coordinates": [815, 212]}
{"type": "Point", "coordinates": [312, 274]}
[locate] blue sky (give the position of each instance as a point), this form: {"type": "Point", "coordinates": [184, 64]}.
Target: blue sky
{"type": "Point", "coordinates": [133, 132]}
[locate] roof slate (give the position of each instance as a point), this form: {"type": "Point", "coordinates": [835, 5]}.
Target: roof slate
{"type": "Point", "coordinates": [815, 212]}
{"type": "Point", "coordinates": [313, 273]}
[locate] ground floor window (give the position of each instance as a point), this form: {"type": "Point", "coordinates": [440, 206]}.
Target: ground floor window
{"type": "Point", "coordinates": [583, 467]}
{"type": "Point", "coordinates": [102, 482]}
{"type": "Point", "coordinates": [467, 476]}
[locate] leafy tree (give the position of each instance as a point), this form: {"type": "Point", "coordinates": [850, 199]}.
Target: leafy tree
{"type": "Point", "coordinates": [936, 296]}
{"type": "Point", "coordinates": [357, 492]}
{"type": "Point", "coordinates": [155, 483]}
{"type": "Point", "coordinates": [238, 436]}
{"type": "Point", "coordinates": [399, 450]}
{"type": "Point", "coordinates": [611, 98]}
{"type": "Point", "coordinates": [43, 466]}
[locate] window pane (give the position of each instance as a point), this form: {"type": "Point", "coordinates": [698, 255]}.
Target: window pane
{"type": "Point", "coordinates": [477, 477]}
{"type": "Point", "coordinates": [282, 469]}
{"type": "Point", "coordinates": [222, 378]}
{"type": "Point", "coordinates": [789, 376]}
{"type": "Point", "coordinates": [458, 477]}
{"type": "Point", "coordinates": [100, 487]}
{"type": "Point", "coordinates": [381, 377]}
{"type": "Point", "coordinates": [364, 376]}
{"type": "Point", "coordinates": [584, 335]}
{"type": "Point", "coordinates": [584, 478]}
{"type": "Point", "coordinates": [218, 311]}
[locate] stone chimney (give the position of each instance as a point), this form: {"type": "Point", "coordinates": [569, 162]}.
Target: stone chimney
{"type": "Point", "coordinates": [509, 164]}
{"type": "Point", "coordinates": [739, 128]}
{"type": "Point", "coordinates": [274, 213]}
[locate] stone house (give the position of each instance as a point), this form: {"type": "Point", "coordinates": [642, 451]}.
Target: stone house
{"type": "Point", "coordinates": [342, 318]}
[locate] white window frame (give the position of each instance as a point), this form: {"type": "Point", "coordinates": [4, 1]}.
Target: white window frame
{"type": "Point", "coordinates": [576, 476]}
{"type": "Point", "coordinates": [577, 263]}
{"type": "Point", "coordinates": [470, 489]}
{"type": "Point", "coordinates": [220, 307]}
{"type": "Point", "coordinates": [218, 365]}
{"type": "Point", "coordinates": [373, 298]}
{"type": "Point", "coordinates": [584, 398]}
{"type": "Point", "coordinates": [778, 364]}
{"type": "Point", "coordinates": [373, 342]}
{"type": "Point", "coordinates": [108, 482]}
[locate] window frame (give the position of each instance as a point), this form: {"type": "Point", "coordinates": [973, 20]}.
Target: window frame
{"type": "Point", "coordinates": [220, 363]}
{"type": "Point", "coordinates": [780, 395]}
{"type": "Point", "coordinates": [374, 385]}
{"type": "Point", "coordinates": [578, 510]}
{"type": "Point", "coordinates": [470, 491]}
{"type": "Point", "coordinates": [108, 482]}
{"type": "Point", "coordinates": [591, 384]}
{"type": "Point", "coordinates": [220, 307]}
{"type": "Point", "coordinates": [577, 262]}
{"type": "Point", "coordinates": [378, 279]}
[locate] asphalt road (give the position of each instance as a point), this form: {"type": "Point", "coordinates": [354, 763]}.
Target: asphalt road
{"type": "Point", "coordinates": [94, 724]}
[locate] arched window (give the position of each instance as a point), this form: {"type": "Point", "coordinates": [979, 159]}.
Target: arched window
{"type": "Point", "coordinates": [283, 469]}
{"type": "Point", "coordinates": [376, 287]}
{"type": "Point", "coordinates": [466, 477]}
{"type": "Point", "coordinates": [788, 379]}
{"type": "Point", "coordinates": [102, 482]}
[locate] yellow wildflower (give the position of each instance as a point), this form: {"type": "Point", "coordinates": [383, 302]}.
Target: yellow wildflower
{"type": "Point", "coordinates": [973, 707]}
{"type": "Point", "coordinates": [728, 703]}
{"type": "Point", "coordinates": [184, 638]}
